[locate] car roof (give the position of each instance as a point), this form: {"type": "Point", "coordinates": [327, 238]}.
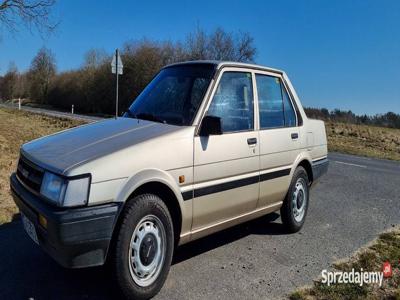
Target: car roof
{"type": "Point", "coordinates": [220, 64]}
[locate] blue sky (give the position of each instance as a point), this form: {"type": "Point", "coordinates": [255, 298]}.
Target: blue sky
{"type": "Point", "coordinates": [338, 54]}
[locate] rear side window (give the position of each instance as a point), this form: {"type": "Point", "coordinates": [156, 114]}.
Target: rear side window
{"type": "Point", "coordinates": [270, 101]}
{"type": "Point", "coordinates": [275, 107]}
{"type": "Point", "coordinates": [290, 115]}
{"type": "Point", "coordinates": [233, 102]}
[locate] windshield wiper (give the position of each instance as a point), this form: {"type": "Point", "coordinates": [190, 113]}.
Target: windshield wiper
{"type": "Point", "coordinates": [148, 117]}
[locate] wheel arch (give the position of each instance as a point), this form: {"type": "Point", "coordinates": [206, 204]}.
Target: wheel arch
{"type": "Point", "coordinates": [155, 182]}
{"type": "Point", "coordinates": [306, 163]}
{"type": "Point", "coordinates": [163, 191]}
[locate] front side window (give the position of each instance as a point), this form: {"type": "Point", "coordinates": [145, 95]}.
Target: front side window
{"type": "Point", "coordinates": [174, 95]}
{"type": "Point", "coordinates": [233, 102]}
{"type": "Point", "coordinates": [275, 107]}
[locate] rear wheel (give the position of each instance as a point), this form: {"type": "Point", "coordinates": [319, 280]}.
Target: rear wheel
{"type": "Point", "coordinates": [144, 247]}
{"type": "Point", "coordinates": [294, 208]}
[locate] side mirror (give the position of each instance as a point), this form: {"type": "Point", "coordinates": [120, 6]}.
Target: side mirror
{"type": "Point", "coordinates": [210, 125]}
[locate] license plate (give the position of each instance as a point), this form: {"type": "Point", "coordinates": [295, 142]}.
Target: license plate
{"type": "Point", "coordinates": [30, 228]}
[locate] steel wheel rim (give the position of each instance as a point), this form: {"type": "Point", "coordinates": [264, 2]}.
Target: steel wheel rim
{"type": "Point", "coordinates": [299, 199]}
{"type": "Point", "coordinates": [147, 250]}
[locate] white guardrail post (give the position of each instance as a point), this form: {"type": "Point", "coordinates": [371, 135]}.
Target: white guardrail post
{"type": "Point", "coordinates": [72, 109]}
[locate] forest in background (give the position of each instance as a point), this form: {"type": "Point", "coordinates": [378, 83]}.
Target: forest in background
{"type": "Point", "coordinates": [91, 87]}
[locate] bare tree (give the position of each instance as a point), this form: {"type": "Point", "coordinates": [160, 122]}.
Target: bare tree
{"type": "Point", "coordinates": [42, 70]}
{"type": "Point", "coordinates": [172, 52]}
{"type": "Point", "coordinates": [197, 45]}
{"type": "Point", "coordinates": [21, 87]}
{"type": "Point", "coordinates": [220, 45]}
{"type": "Point", "coordinates": [29, 13]}
{"type": "Point", "coordinates": [245, 50]}
{"type": "Point", "coordinates": [94, 58]}
{"type": "Point", "coordinates": [9, 83]}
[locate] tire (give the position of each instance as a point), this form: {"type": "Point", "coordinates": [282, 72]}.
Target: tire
{"type": "Point", "coordinates": [141, 269]}
{"type": "Point", "coordinates": [295, 205]}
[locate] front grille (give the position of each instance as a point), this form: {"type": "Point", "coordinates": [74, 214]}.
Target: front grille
{"type": "Point", "coordinates": [30, 174]}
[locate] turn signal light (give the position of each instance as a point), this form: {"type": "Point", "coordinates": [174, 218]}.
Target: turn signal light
{"type": "Point", "coordinates": [43, 221]}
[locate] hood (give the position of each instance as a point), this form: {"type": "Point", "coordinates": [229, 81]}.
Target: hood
{"type": "Point", "coordinates": [62, 151]}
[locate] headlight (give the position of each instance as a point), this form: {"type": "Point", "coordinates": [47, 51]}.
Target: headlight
{"type": "Point", "coordinates": [65, 192]}
{"type": "Point", "coordinates": [53, 187]}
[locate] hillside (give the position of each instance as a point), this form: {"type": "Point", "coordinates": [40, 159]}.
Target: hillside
{"type": "Point", "coordinates": [365, 140]}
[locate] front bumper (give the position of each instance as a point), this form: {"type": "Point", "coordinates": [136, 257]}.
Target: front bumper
{"type": "Point", "coordinates": [74, 237]}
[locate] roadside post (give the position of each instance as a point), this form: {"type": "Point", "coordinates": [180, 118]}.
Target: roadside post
{"type": "Point", "coordinates": [117, 69]}
{"type": "Point", "coordinates": [19, 103]}
{"type": "Point", "coordinates": [72, 109]}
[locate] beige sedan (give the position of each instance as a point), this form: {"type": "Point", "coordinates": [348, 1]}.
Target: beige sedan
{"type": "Point", "coordinates": [205, 146]}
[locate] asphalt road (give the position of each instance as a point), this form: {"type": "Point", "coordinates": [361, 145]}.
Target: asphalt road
{"type": "Point", "coordinates": [351, 205]}
{"type": "Point", "coordinates": [52, 113]}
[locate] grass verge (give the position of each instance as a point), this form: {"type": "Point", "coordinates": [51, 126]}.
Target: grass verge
{"type": "Point", "coordinates": [17, 128]}
{"type": "Point", "coordinates": [385, 249]}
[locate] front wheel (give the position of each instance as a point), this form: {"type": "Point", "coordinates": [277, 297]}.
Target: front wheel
{"type": "Point", "coordinates": [295, 205]}
{"type": "Point", "coordinates": [144, 247]}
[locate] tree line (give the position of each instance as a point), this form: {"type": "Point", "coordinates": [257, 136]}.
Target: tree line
{"type": "Point", "coordinates": [389, 119]}
{"type": "Point", "coordinates": [91, 87]}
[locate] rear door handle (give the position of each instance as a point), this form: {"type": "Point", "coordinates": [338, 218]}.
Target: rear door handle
{"type": "Point", "coordinates": [295, 136]}
{"type": "Point", "coordinates": [252, 141]}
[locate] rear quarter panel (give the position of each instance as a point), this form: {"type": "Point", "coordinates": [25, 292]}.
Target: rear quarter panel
{"type": "Point", "coordinates": [316, 141]}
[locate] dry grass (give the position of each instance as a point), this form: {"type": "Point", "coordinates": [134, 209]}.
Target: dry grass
{"type": "Point", "coordinates": [364, 140]}
{"type": "Point", "coordinates": [385, 249]}
{"type": "Point", "coordinates": [17, 128]}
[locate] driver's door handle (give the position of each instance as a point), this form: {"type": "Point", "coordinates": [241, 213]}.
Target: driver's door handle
{"type": "Point", "coordinates": [252, 141]}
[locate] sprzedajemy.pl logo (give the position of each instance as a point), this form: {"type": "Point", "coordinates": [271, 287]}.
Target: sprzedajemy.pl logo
{"type": "Point", "coordinates": [360, 277]}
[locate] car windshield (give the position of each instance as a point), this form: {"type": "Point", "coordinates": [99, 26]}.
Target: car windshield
{"type": "Point", "coordinates": [174, 95]}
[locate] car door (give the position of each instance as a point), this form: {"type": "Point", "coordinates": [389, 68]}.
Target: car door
{"type": "Point", "coordinates": [226, 166]}
{"type": "Point", "coordinates": [279, 137]}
